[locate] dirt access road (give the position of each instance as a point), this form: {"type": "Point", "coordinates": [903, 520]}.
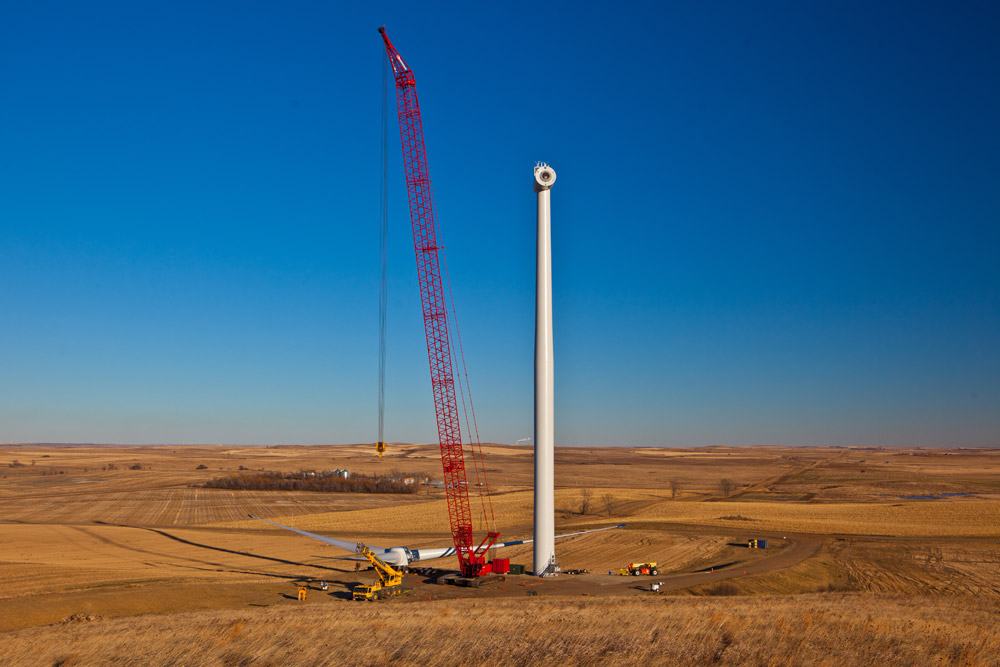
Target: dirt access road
{"type": "Point", "coordinates": [793, 550]}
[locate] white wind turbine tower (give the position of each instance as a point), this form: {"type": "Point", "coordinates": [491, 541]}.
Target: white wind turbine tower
{"type": "Point", "coordinates": [544, 562]}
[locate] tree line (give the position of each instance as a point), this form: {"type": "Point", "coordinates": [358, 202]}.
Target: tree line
{"type": "Point", "coordinates": [305, 481]}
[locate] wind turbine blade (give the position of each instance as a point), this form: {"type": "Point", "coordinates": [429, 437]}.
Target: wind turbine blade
{"type": "Point", "coordinates": [404, 555]}
{"type": "Point", "coordinates": [582, 532]}
{"type": "Point", "coordinates": [346, 545]}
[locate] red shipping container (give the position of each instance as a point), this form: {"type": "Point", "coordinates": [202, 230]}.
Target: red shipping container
{"type": "Point", "coordinates": [501, 565]}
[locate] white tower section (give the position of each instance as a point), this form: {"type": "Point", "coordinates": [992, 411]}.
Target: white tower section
{"type": "Point", "coordinates": [545, 529]}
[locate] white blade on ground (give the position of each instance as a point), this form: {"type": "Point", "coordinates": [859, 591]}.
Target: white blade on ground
{"type": "Point", "coordinates": [391, 555]}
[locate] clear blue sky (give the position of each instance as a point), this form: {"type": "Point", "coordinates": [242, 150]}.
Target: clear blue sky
{"type": "Point", "coordinates": [775, 223]}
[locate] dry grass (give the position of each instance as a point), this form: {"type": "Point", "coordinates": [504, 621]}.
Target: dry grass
{"type": "Point", "coordinates": [819, 573]}
{"type": "Point", "coordinates": [925, 568]}
{"type": "Point", "coordinates": [830, 629]}
{"type": "Point", "coordinates": [919, 568]}
{"type": "Point", "coordinates": [176, 506]}
{"type": "Point", "coordinates": [42, 559]}
{"type": "Point", "coordinates": [941, 518]}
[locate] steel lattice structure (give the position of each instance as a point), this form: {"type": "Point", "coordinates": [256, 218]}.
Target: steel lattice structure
{"type": "Point", "coordinates": [432, 298]}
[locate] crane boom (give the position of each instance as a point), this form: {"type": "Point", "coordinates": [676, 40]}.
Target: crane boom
{"type": "Point", "coordinates": [471, 558]}
{"type": "Point", "coordinates": [386, 573]}
{"type": "Point", "coordinates": [390, 581]}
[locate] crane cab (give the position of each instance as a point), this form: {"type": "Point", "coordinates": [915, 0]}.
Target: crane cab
{"type": "Point", "coordinates": [364, 592]}
{"type": "Point", "coordinates": [377, 591]}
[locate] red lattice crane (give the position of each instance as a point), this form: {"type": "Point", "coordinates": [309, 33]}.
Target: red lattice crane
{"type": "Point", "coordinates": [471, 558]}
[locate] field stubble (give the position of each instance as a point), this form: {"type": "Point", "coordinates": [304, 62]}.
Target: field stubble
{"type": "Point", "coordinates": [959, 517]}
{"type": "Point", "coordinates": [812, 629]}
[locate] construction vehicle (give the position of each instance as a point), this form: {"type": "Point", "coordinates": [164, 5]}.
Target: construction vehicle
{"type": "Point", "coordinates": [472, 559]}
{"type": "Point", "coordinates": [390, 580]}
{"type": "Point", "coordinates": [636, 569]}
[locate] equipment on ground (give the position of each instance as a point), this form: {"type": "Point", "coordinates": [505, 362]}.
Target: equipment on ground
{"type": "Point", "coordinates": [455, 579]}
{"type": "Point", "coordinates": [471, 558]}
{"type": "Point", "coordinates": [636, 569]}
{"type": "Point", "coordinates": [390, 581]}
{"type": "Point", "coordinates": [757, 544]}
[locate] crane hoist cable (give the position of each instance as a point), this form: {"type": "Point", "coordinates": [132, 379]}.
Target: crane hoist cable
{"type": "Point", "coordinates": [383, 247]}
{"type": "Point", "coordinates": [485, 499]}
{"type": "Point", "coordinates": [487, 517]}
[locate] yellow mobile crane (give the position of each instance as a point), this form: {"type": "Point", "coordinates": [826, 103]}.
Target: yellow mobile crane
{"type": "Point", "coordinates": [390, 580]}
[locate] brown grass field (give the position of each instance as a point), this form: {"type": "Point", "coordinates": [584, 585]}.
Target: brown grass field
{"type": "Point", "coordinates": [111, 555]}
{"type": "Point", "coordinates": [798, 630]}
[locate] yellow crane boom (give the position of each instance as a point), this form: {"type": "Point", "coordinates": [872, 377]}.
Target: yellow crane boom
{"type": "Point", "coordinates": [390, 580]}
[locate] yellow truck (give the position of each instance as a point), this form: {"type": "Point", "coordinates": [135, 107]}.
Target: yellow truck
{"type": "Point", "coordinates": [636, 569]}
{"type": "Point", "coordinates": [390, 580]}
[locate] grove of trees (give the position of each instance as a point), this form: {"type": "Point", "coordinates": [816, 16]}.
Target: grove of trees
{"type": "Point", "coordinates": [310, 481]}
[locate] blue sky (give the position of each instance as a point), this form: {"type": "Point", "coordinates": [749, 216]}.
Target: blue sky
{"type": "Point", "coordinates": [775, 223]}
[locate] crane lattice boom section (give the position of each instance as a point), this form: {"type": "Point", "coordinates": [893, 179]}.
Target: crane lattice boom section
{"type": "Point", "coordinates": [432, 299]}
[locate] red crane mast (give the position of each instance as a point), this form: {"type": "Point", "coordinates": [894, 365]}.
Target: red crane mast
{"type": "Point", "coordinates": [471, 558]}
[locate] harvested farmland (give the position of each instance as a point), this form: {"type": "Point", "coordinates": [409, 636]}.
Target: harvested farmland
{"type": "Point", "coordinates": [958, 517]}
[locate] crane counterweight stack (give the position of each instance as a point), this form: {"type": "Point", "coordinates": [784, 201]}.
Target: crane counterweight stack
{"type": "Point", "coordinates": [471, 558]}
